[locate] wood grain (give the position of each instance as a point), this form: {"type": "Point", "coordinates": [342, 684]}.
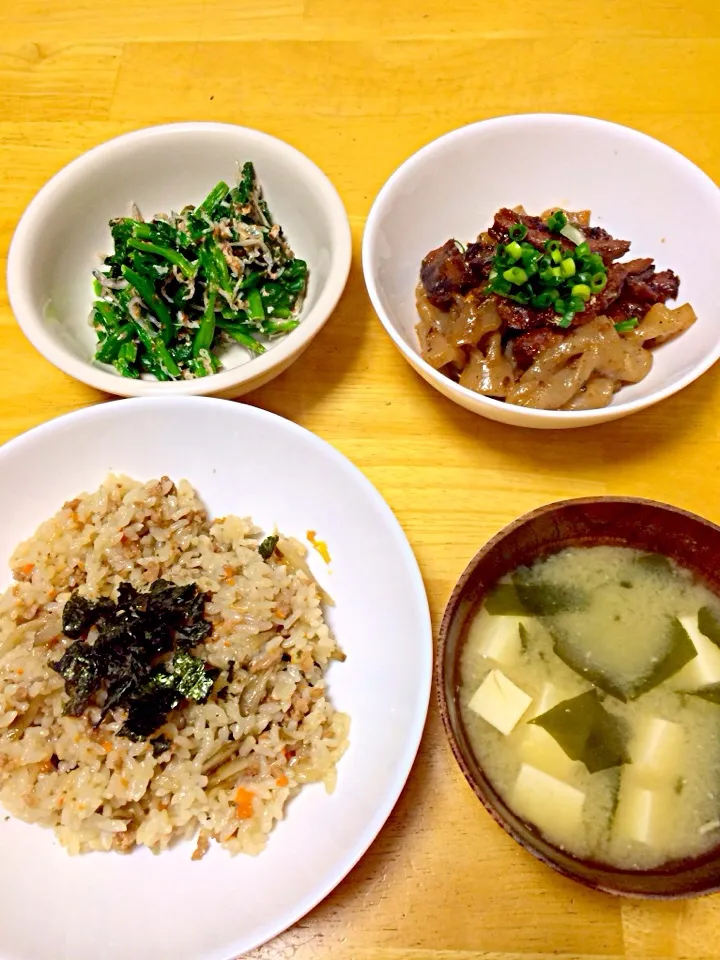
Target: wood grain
{"type": "Point", "coordinates": [359, 86]}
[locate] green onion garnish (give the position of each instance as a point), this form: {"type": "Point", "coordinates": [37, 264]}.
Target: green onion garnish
{"type": "Point", "coordinates": [582, 291]}
{"type": "Point", "coordinates": [625, 325]}
{"type": "Point", "coordinates": [554, 277]}
{"type": "Point", "coordinates": [544, 299]}
{"type": "Point", "coordinates": [515, 275]}
{"type": "Point", "coordinates": [518, 231]}
{"type": "Point", "coordinates": [556, 221]}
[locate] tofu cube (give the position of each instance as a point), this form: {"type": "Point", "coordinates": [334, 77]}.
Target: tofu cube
{"type": "Point", "coordinates": [656, 749]}
{"type": "Point", "coordinates": [644, 814]}
{"type": "Point", "coordinates": [550, 696]}
{"type": "Point", "coordinates": [702, 669]}
{"type": "Point", "coordinates": [499, 701]}
{"type": "Point", "coordinates": [551, 804]}
{"type": "Point", "coordinates": [537, 748]}
{"type": "Point", "coordinates": [497, 638]}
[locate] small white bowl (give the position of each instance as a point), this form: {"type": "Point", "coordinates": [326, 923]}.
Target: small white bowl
{"type": "Point", "coordinates": [637, 188]}
{"type": "Point", "coordinates": [63, 235]}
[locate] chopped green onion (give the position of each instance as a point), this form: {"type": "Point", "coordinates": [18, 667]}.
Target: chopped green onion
{"type": "Point", "coordinates": [556, 221]}
{"type": "Point", "coordinates": [626, 325]}
{"type": "Point", "coordinates": [519, 296]}
{"type": "Point", "coordinates": [551, 245]}
{"type": "Point", "coordinates": [556, 272]}
{"type": "Point", "coordinates": [582, 250]}
{"type": "Point", "coordinates": [544, 299]}
{"type": "Point", "coordinates": [530, 255]}
{"type": "Point", "coordinates": [515, 275]}
{"type": "Point", "coordinates": [565, 320]}
{"type": "Point", "coordinates": [500, 286]}
{"type": "Point", "coordinates": [560, 305]}
{"type": "Point", "coordinates": [556, 256]}
{"type": "Point", "coordinates": [549, 278]}
{"type": "Point", "coordinates": [598, 282]}
{"type": "Point", "coordinates": [568, 267]}
{"type": "Point", "coordinates": [581, 290]}
{"type": "Point", "coordinates": [518, 231]}
{"type": "Point", "coordinates": [575, 304]}
{"type": "Point", "coordinates": [514, 250]}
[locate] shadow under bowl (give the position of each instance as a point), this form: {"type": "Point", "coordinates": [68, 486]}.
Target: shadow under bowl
{"type": "Point", "coordinates": [692, 542]}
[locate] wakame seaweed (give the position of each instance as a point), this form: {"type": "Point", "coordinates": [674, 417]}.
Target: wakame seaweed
{"type": "Point", "coordinates": [528, 595]}
{"type": "Point", "coordinates": [129, 661]}
{"type": "Point", "coordinates": [709, 625]}
{"type": "Point", "coordinates": [679, 650]}
{"type": "Point", "coordinates": [586, 731]}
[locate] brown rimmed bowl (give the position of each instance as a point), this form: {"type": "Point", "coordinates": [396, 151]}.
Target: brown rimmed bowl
{"type": "Point", "coordinates": [692, 542]}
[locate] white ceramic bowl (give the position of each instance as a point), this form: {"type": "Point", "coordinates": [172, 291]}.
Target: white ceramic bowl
{"type": "Point", "coordinates": [149, 907]}
{"type": "Point", "coordinates": [637, 188]}
{"type": "Point", "coordinates": [64, 234]}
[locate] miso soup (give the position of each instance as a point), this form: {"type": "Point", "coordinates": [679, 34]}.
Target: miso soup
{"type": "Point", "coordinates": [590, 691]}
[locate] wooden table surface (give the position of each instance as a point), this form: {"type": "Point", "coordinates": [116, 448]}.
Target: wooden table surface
{"type": "Point", "coordinates": [358, 86]}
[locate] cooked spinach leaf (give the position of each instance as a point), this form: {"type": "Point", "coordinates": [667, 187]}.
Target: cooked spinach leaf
{"type": "Point", "coordinates": [709, 625]}
{"type": "Point", "coordinates": [267, 547]}
{"type": "Point", "coordinates": [123, 662]}
{"type": "Point", "coordinates": [586, 731]}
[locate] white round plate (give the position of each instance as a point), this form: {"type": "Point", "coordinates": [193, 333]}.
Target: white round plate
{"type": "Point", "coordinates": [249, 462]}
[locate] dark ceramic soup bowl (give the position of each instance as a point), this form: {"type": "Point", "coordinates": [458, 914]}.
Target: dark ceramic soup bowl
{"type": "Point", "coordinates": [692, 542]}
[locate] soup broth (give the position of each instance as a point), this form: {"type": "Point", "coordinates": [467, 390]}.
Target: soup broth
{"type": "Point", "coordinates": [590, 691]}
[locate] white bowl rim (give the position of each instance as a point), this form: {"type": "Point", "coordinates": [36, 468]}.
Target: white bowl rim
{"type": "Point", "coordinates": [531, 414]}
{"type": "Point", "coordinates": [18, 282]}
{"type": "Point", "coordinates": [135, 406]}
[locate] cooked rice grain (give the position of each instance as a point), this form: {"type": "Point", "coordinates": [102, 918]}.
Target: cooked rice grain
{"type": "Point", "coordinates": [234, 761]}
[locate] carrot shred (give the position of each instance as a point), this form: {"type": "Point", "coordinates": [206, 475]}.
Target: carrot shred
{"type": "Point", "coordinates": [282, 781]}
{"type": "Point", "coordinates": [244, 803]}
{"type": "Point", "coordinates": [107, 746]}
{"type": "Point", "coordinates": [28, 568]}
{"type": "Point", "coordinates": [320, 545]}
